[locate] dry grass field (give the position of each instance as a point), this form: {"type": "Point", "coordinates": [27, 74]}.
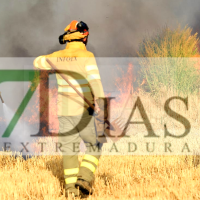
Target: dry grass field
{"type": "Point", "coordinates": [117, 177]}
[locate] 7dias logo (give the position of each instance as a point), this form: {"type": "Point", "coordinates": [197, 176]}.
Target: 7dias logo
{"type": "Point", "coordinates": [37, 77]}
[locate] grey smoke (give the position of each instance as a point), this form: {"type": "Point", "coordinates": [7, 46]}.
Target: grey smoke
{"type": "Point", "coordinates": [31, 28]}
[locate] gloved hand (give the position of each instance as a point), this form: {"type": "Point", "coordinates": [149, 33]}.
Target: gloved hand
{"type": "Point", "coordinates": [100, 119]}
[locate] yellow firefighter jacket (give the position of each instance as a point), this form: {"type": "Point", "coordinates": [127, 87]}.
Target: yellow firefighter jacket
{"type": "Point", "coordinates": [84, 75]}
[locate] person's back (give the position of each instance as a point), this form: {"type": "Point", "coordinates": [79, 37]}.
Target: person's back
{"type": "Point", "coordinates": [82, 72]}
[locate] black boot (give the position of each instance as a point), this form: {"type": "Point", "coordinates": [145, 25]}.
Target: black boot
{"type": "Point", "coordinates": [84, 186]}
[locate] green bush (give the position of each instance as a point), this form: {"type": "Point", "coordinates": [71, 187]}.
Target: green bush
{"type": "Point", "coordinates": [164, 62]}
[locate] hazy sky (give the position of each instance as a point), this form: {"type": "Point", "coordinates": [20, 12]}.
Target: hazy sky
{"type": "Point", "coordinates": [31, 28]}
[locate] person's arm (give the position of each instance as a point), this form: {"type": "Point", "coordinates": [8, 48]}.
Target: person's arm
{"type": "Point", "coordinates": [94, 79]}
{"type": "Point", "coordinates": [41, 63]}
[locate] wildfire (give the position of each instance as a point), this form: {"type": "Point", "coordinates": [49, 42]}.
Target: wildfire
{"type": "Point", "coordinates": [124, 85]}
{"type": "Point", "coordinates": [47, 112]}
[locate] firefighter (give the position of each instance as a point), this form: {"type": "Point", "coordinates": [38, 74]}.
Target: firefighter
{"type": "Point", "coordinates": [76, 119]}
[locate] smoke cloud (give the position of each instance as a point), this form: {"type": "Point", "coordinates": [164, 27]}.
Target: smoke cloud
{"type": "Point", "coordinates": [31, 28]}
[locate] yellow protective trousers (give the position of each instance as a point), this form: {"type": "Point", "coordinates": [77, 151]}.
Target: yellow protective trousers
{"type": "Point", "coordinates": [73, 130]}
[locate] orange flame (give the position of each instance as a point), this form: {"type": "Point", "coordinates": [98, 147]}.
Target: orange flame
{"type": "Point", "coordinates": [124, 85]}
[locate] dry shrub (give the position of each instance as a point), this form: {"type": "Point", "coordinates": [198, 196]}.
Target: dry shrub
{"type": "Point", "coordinates": [170, 43]}
{"type": "Point", "coordinates": [165, 61]}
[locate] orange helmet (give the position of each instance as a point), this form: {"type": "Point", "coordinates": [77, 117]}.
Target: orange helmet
{"type": "Point", "coordinates": [75, 26]}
